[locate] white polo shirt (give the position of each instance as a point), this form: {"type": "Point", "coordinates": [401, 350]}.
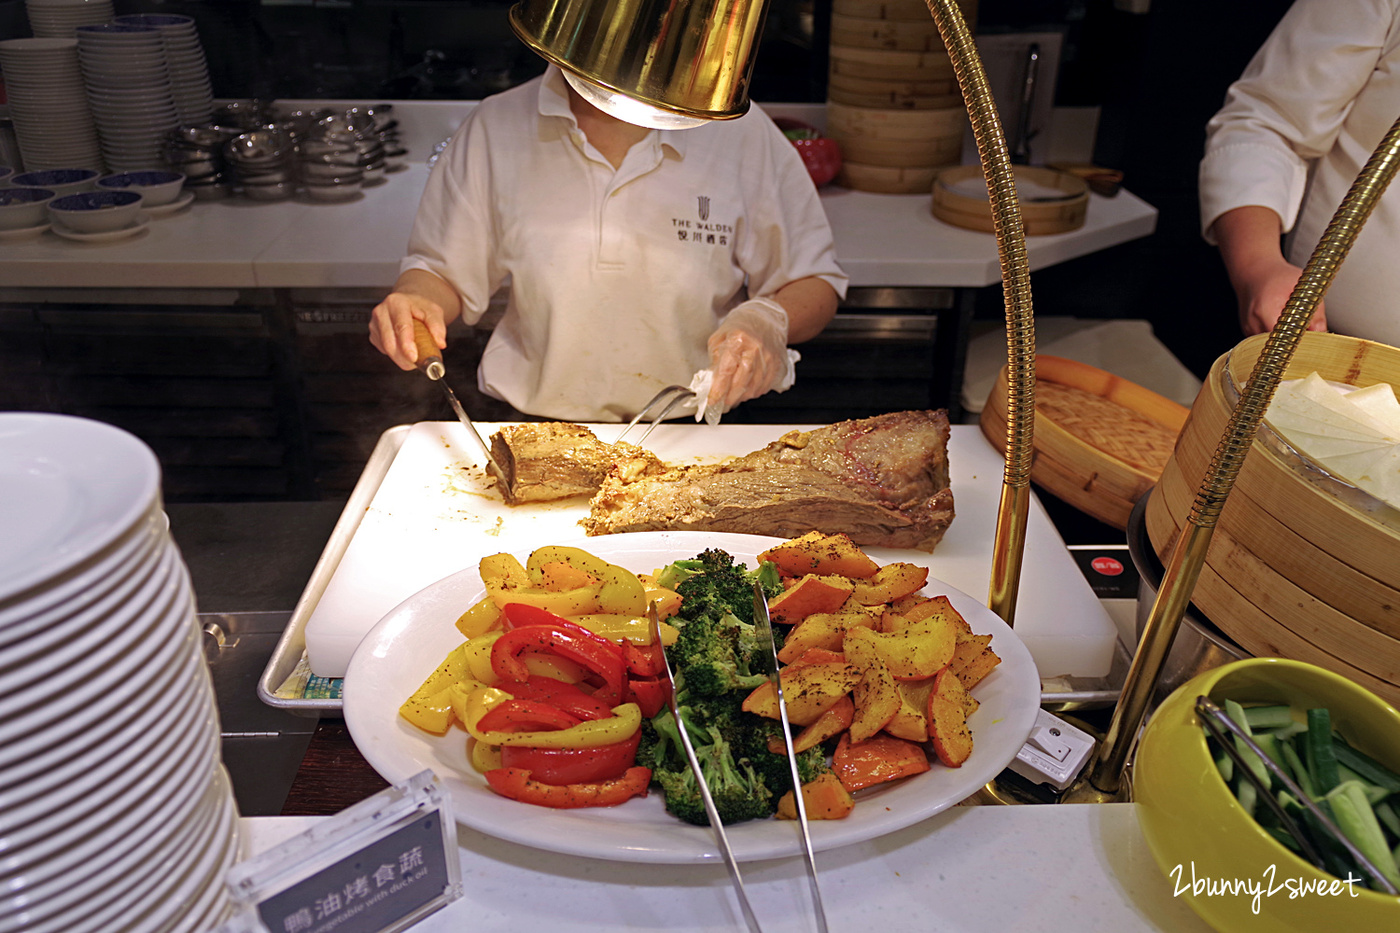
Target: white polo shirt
{"type": "Point", "coordinates": [617, 277]}
{"type": "Point", "coordinates": [1295, 131]}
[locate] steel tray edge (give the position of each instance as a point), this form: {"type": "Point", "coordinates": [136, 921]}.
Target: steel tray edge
{"type": "Point", "coordinates": [292, 645]}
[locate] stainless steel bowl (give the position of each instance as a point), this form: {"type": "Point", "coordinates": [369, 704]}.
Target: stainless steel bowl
{"type": "Point", "coordinates": [1199, 646]}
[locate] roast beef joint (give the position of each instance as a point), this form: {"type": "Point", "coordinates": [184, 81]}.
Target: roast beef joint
{"type": "Point", "coordinates": [881, 480]}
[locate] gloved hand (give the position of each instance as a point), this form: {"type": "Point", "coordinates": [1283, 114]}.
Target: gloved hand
{"type": "Point", "coordinates": [749, 357]}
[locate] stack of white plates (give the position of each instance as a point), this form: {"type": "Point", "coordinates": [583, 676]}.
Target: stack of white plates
{"type": "Point", "coordinates": [48, 104]}
{"type": "Point", "coordinates": [115, 811]}
{"type": "Point", "coordinates": [56, 19]}
{"type": "Point", "coordinates": [129, 92]}
{"type": "Point", "coordinates": [184, 57]}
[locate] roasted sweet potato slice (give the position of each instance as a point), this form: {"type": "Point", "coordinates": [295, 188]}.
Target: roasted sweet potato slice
{"type": "Point", "coordinates": [876, 694]}
{"type": "Point", "coordinates": [876, 760]}
{"type": "Point", "coordinates": [809, 690]}
{"type": "Point", "coordinates": [821, 553]}
{"type": "Point", "coordinates": [911, 722]}
{"type": "Point", "coordinates": [829, 725]}
{"type": "Point", "coordinates": [810, 594]}
{"type": "Point", "coordinates": [948, 731]}
{"type": "Point", "coordinates": [948, 684]}
{"type": "Point", "coordinates": [918, 651]}
{"type": "Point", "coordinates": [890, 582]}
{"type": "Point", "coordinates": [978, 667]}
{"type": "Point", "coordinates": [822, 630]}
{"type": "Point", "coordinates": [823, 797]}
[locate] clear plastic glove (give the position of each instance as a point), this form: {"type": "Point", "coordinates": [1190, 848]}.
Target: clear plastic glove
{"type": "Point", "coordinates": [749, 357]}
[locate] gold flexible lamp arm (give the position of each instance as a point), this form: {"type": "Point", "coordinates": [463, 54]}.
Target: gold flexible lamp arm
{"type": "Point", "coordinates": [1105, 776]}
{"type": "Point", "coordinates": [1008, 546]}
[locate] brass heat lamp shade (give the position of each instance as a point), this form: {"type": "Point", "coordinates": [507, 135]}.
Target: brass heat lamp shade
{"type": "Point", "coordinates": [688, 57]}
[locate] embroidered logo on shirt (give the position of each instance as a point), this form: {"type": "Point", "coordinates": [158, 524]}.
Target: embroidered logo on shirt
{"type": "Point", "coordinates": [702, 231]}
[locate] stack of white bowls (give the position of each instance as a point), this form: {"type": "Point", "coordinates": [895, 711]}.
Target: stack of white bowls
{"type": "Point", "coordinates": [48, 103]}
{"type": "Point", "coordinates": [115, 810]}
{"type": "Point", "coordinates": [129, 92]}
{"type": "Point", "coordinates": [185, 59]}
{"type": "Point", "coordinates": [56, 19]}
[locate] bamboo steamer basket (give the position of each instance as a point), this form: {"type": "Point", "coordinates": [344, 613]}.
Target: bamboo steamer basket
{"type": "Point", "coordinates": [895, 139]}
{"type": "Point", "coordinates": [916, 35]}
{"type": "Point", "coordinates": [890, 64]}
{"type": "Point", "coordinates": [1100, 441]}
{"type": "Point", "coordinates": [1301, 564]}
{"type": "Point", "coordinates": [885, 179]}
{"type": "Point", "coordinates": [893, 95]}
{"type": "Point", "coordinates": [893, 102]}
{"type": "Point", "coordinates": [1064, 213]}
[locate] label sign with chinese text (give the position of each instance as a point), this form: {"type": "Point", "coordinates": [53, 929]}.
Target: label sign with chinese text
{"type": "Point", "coordinates": [373, 889]}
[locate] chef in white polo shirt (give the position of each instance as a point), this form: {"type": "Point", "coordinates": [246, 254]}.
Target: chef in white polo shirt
{"type": "Point", "coordinates": [635, 257]}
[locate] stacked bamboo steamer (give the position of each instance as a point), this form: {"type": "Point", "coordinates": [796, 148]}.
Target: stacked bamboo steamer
{"type": "Point", "coordinates": [893, 103]}
{"type": "Point", "coordinates": [1300, 564]}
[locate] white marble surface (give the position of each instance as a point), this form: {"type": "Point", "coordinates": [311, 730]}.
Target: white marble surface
{"type": "Point", "coordinates": [1032, 869]}
{"type": "Point", "coordinates": [881, 239]}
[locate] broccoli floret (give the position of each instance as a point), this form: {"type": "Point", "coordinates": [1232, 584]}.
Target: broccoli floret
{"type": "Point", "coordinates": [718, 661]}
{"type": "Point", "coordinates": [721, 585]}
{"type": "Point", "coordinates": [715, 655]}
{"type": "Point", "coordinates": [737, 790]}
{"type": "Point", "coordinates": [717, 650]}
{"type": "Point", "coordinates": [773, 768]}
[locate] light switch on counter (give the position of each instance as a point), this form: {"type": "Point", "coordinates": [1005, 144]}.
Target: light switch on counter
{"type": "Point", "coordinates": [1054, 753]}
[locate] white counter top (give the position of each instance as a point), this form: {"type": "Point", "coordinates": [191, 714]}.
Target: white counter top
{"type": "Point", "coordinates": [881, 239]}
{"type": "Point", "coordinates": [1028, 869]}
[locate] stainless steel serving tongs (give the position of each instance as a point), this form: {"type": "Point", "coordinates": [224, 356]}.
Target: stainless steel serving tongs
{"type": "Point", "coordinates": [721, 838]}
{"type": "Point", "coordinates": [1217, 722]}
{"type": "Point", "coordinates": [764, 627]}
{"type": "Point", "coordinates": [661, 404]}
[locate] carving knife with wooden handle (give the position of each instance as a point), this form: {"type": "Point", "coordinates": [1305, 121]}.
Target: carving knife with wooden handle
{"type": "Point", "coordinates": [430, 363]}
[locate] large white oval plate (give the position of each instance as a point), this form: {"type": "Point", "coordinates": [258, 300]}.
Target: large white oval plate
{"type": "Point", "coordinates": [406, 646]}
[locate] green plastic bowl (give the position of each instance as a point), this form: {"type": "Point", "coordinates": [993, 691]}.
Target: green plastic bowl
{"type": "Point", "coordinates": [1201, 837]}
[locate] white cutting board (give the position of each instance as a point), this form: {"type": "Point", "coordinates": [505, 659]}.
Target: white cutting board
{"type": "Point", "coordinates": [435, 514]}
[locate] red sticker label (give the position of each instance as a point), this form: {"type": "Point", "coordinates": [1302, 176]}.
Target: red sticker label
{"type": "Point", "coordinates": [1107, 566]}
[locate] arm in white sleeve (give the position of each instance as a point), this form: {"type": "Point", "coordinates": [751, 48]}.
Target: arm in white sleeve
{"type": "Point", "coordinates": [1288, 107]}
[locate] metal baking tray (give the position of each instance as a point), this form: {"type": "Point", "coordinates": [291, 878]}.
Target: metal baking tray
{"type": "Point", "coordinates": [291, 647]}
{"type": "Point", "coordinates": [290, 651]}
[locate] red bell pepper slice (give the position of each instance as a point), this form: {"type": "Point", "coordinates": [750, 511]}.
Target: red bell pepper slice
{"type": "Point", "coordinates": [644, 660]}
{"type": "Point", "coordinates": [565, 639]}
{"type": "Point", "coordinates": [573, 765]}
{"type": "Point", "coordinates": [517, 784]}
{"type": "Point", "coordinates": [567, 697]}
{"type": "Point", "coordinates": [526, 716]}
{"type": "Point", "coordinates": [651, 694]}
{"type": "Point", "coordinates": [521, 615]}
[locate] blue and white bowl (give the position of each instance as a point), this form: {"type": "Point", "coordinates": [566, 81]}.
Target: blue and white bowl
{"type": "Point", "coordinates": [96, 211]}
{"type": "Point", "coordinates": [61, 181]}
{"type": "Point", "coordinates": [156, 187]}
{"type": "Point", "coordinates": [23, 208]}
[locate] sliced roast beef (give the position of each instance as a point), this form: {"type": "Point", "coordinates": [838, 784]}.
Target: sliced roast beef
{"type": "Point", "coordinates": [550, 460]}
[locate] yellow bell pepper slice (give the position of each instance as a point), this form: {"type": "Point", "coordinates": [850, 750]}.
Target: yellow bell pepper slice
{"type": "Point", "coordinates": [431, 712]}
{"type": "Point", "coordinates": [480, 618]}
{"type": "Point", "coordinates": [483, 757]}
{"type": "Point", "coordinates": [619, 626]}
{"type": "Point", "coordinates": [471, 705]}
